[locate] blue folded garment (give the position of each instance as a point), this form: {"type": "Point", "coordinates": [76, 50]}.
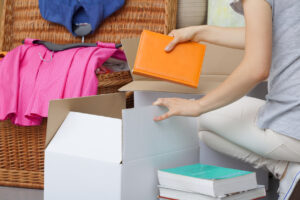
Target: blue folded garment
{"type": "Point", "coordinates": [80, 17]}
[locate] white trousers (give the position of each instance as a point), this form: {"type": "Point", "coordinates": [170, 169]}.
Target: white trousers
{"type": "Point", "coordinates": [232, 130]}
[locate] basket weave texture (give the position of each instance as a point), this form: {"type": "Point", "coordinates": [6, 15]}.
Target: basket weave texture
{"type": "Point", "coordinates": [22, 148]}
{"type": "Point", "coordinates": [21, 19]}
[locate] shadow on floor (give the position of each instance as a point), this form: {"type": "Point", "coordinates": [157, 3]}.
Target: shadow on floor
{"type": "Point", "coordinates": [9, 193]}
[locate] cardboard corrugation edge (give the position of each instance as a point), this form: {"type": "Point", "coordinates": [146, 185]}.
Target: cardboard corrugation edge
{"type": "Point", "coordinates": [109, 105]}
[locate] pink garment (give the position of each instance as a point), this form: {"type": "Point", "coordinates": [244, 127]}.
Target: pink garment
{"type": "Point", "coordinates": [28, 83]}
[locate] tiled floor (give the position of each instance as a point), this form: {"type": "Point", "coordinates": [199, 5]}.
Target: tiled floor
{"type": "Point", "coordinates": [7, 193]}
{"type": "Point", "coordinates": [28, 194]}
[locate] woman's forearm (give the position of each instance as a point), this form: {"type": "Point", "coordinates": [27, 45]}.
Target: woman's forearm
{"type": "Point", "coordinates": [239, 83]}
{"type": "Point", "coordinates": [256, 64]}
{"type": "Point", "coordinates": [254, 68]}
{"type": "Point", "coordinates": [229, 37]}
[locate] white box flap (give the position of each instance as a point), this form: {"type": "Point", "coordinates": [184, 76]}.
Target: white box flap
{"type": "Point", "coordinates": [89, 136]}
{"type": "Point", "coordinates": [143, 137]}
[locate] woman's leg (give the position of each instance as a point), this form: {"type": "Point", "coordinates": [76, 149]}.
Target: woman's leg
{"type": "Point", "coordinates": [226, 147]}
{"type": "Point", "coordinates": [237, 124]}
{"type": "Point", "coordinates": [232, 130]}
{"type": "Point", "coordinates": [289, 185]}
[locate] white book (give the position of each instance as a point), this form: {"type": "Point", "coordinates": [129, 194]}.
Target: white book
{"type": "Point", "coordinates": [173, 194]}
{"type": "Point", "coordinates": [206, 179]}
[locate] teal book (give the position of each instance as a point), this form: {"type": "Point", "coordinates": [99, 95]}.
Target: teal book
{"type": "Point", "coordinates": [207, 179]}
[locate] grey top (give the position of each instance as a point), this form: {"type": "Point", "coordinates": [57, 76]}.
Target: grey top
{"type": "Point", "coordinates": [281, 113]}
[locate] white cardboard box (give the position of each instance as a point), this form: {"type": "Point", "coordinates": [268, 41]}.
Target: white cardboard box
{"type": "Point", "coordinates": [206, 155]}
{"type": "Point", "coordinates": [101, 156]}
{"type": "Point", "coordinates": [219, 62]}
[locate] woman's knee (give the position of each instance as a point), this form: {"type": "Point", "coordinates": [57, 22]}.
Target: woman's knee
{"type": "Point", "coordinates": [205, 137]}
{"type": "Point", "coordinates": [201, 134]}
{"type": "Point", "coordinates": [214, 141]}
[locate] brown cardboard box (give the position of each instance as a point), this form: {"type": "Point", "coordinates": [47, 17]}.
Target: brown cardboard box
{"type": "Point", "coordinates": [218, 63]}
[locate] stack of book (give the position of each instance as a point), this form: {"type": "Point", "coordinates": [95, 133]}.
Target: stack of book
{"type": "Point", "coordinates": [206, 182]}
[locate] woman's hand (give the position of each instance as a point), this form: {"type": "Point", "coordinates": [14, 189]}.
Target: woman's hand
{"type": "Point", "coordinates": [224, 36]}
{"type": "Point", "coordinates": [178, 107]}
{"type": "Point", "coordinates": [183, 35]}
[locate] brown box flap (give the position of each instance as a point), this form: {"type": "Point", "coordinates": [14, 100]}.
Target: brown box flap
{"type": "Point", "coordinates": [218, 63]}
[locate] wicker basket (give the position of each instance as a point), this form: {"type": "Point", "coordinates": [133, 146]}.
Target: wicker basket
{"type": "Point", "coordinates": [22, 148]}
{"type": "Point", "coordinates": [21, 19]}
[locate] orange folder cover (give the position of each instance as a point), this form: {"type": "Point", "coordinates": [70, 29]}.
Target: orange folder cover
{"type": "Point", "coordinates": [182, 65]}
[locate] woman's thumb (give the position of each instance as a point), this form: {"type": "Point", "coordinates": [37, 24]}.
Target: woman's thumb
{"type": "Point", "coordinates": [171, 45]}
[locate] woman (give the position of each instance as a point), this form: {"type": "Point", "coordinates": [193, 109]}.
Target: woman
{"type": "Point", "coordinates": [263, 133]}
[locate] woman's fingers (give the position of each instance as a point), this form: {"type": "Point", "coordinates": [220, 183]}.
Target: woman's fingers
{"type": "Point", "coordinates": [164, 102]}
{"type": "Point", "coordinates": [161, 102]}
{"type": "Point", "coordinates": [164, 116]}
{"type": "Point", "coordinates": [172, 44]}
{"type": "Point", "coordinates": [178, 107]}
{"type": "Point", "coordinates": [172, 33]}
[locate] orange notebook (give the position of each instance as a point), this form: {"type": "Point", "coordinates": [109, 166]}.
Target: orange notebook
{"type": "Point", "coordinates": [182, 65]}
